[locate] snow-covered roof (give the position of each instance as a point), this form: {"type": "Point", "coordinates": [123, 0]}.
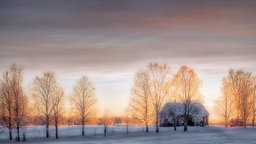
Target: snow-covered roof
{"type": "Point", "coordinates": [196, 108]}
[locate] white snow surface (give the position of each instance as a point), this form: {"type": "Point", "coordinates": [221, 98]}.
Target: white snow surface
{"type": "Point", "coordinates": [137, 135]}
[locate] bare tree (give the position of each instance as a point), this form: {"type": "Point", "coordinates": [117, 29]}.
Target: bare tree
{"type": "Point", "coordinates": [187, 84]}
{"type": "Point", "coordinates": [160, 83]}
{"type": "Point", "coordinates": [7, 104]}
{"type": "Point", "coordinates": [225, 103]}
{"type": "Point", "coordinates": [127, 123]}
{"type": "Point", "coordinates": [241, 86]}
{"type": "Point", "coordinates": [58, 109]}
{"type": "Point", "coordinates": [13, 99]}
{"type": "Point", "coordinates": [127, 118]}
{"type": "Point", "coordinates": [43, 91]}
{"type": "Point", "coordinates": [140, 101]}
{"type": "Point", "coordinates": [246, 93]}
{"type": "Point", "coordinates": [84, 99]}
{"type": "Point", "coordinates": [106, 121]}
{"type": "Point", "coordinates": [20, 99]}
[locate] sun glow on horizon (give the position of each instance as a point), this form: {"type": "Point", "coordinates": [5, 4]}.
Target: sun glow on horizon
{"type": "Point", "coordinates": [113, 89]}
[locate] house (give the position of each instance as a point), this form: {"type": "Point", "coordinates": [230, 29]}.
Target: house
{"type": "Point", "coordinates": [198, 115]}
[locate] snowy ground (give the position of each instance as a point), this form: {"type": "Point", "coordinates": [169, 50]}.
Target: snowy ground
{"type": "Point", "coordinates": [117, 134]}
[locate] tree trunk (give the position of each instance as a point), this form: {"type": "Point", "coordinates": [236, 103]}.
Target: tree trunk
{"type": "Point", "coordinates": [226, 123]}
{"type": "Point", "coordinates": [175, 124]}
{"type": "Point", "coordinates": [105, 131]}
{"type": "Point", "coordinates": [127, 130]}
{"type": "Point", "coordinates": [94, 131]}
{"type": "Point", "coordinates": [82, 129]}
{"type": "Point", "coordinates": [146, 128]}
{"type": "Point", "coordinates": [10, 133]}
{"type": "Point", "coordinates": [56, 130]}
{"type": "Point", "coordinates": [185, 126]}
{"type": "Point", "coordinates": [47, 131]}
{"type": "Point", "coordinates": [253, 111]}
{"type": "Point", "coordinates": [157, 128]}
{"type": "Point", "coordinates": [253, 116]}
{"type": "Point", "coordinates": [82, 126]}
{"type": "Point", "coordinates": [10, 127]}
{"type": "Point", "coordinates": [47, 126]}
{"type": "Point", "coordinates": [18, 132]}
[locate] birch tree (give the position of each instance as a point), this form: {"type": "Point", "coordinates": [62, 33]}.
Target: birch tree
{"type": "Point", "coordinates": [43, 91]}
{"type": "Point", "coordinates": [246, 98]}
{"type": "Point", "coordinates": [20, 99]}
{"type": "Point", "coordinates": [58, 109]}
{"type": "Point", "coordinates": [187, 84]}
{"type": "Point", "coordinates": [225, 103]}
{"type": "Point", "coordinates": [241, 86]}
{"type": "Point", "coordinates": [13, 99]}
{"type": "Point", "coordinates": [84, 99]}
{"type": "Point", "coordinates": [160, 83]}
{"type": "Point", "coordinates": [140, 101]}
{"type": "Point", "coordinates": [106, 121]}
{"type": "Point", "coordinates": [7, 104]}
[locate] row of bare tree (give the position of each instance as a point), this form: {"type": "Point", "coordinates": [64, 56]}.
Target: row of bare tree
{"type": "Point", "coordinates": [46, 100]}
{"type": "Point", "coordinates": [156, 85]}
{"type": "Point", "coordinates": [238, 100]}
{"type": "Point", "coordinates": [153, 86]}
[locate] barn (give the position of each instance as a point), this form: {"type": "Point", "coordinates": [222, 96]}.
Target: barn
{"type": "Point", "coordinates": [198, 115]}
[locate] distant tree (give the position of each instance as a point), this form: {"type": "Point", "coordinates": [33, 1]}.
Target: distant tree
{"type": "Point", "coordinates": [58, 109]}
{"type": "Point", "coordinates": [187, 84]}
{"type": "Point", "coordinates": [106, 121]}
{"type": "Point", "coordinates": [44, 90]}
{"type": "Point", "coordinates": [127, 123]}
{"type": "Point", "coordinates": [84, 99]}
{"type": "Point", "coordinates": [127, 117]}
{"type": "Point", "coordinates": [225, 103]}
{"type": "Point", "coordinates": [140, 103]}
{"type": "Point", "coordinates": [13, 99]}
{"type": "Point", "coordinates": [160, 83]}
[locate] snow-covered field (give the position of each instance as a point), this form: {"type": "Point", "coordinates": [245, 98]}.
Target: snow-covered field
{"type": "Point", "coordinates": [117, 134]}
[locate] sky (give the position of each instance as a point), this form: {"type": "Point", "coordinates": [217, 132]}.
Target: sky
{"type": "Point", "coordinates": [110, 40]}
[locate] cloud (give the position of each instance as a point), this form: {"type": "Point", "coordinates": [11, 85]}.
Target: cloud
{"type": "Point", "coordinates": [142, 16]}
{"type": "Point", "coordinates": [114, 36]}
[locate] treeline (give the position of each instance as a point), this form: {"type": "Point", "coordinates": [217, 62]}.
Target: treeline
{"type": "Point", "coordinates": [153, 86]}
{"type": "Point", "coordinates": [237, 105]}
{"type": "Point", "coordinates": [44, 103]}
